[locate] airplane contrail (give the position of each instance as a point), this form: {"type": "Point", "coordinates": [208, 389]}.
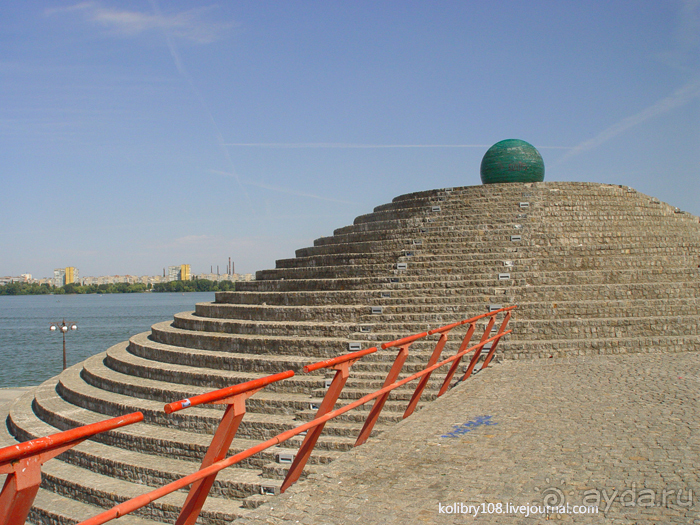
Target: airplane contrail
{"type": "Point", "coordinates": [362, 146]}
{"type": "Point", "coordinates": [183, 71]}
{"type": "Point", "coordinates": [285, 190]}
{"type": "Point", "coordinates": [678, 98]}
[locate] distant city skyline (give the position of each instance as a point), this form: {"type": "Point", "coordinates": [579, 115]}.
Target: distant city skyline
{"type": "Point", "coordinates": [137, 135]}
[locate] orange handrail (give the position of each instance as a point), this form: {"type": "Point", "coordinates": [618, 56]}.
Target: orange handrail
{"type": "Point", "coordinates": [325, 414]}
{"type": "Point", "coordinates": [67, 437]}
{"type": "Point", "coordinates": [141, 501]}
{"type": "Point", "coordinates": [22, 462]}
{"type": "Point", "coordinates": [224, 393]}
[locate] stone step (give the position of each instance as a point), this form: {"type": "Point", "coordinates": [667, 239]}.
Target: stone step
{"type": "Point", "coordinates": [123, 373]}
{"type": "Point", "coordinates": [597, 346]}
{"type": "Point", "coordinates": [314, 348]}
{"type": "Point", "coordinates": [154, 440]}
{"type": "Point", "coordinates": [142, 345]}
{"type": "Point", "coordinates": [417, 271]}
{"type": "Point", "coordinates": [603, 327]}
{"type": "Point", "coordinates": [50, 507]}
{"type": "Point", "coordinates": [217, 318]}
{"type": "Point", "coordinates": [202, 419]}
{"type": "Point", "coordinates": [452, 296]}
{"type": "Point", "coordinates": [335, 284]}
{"type": "Point", "coordinates": [315, 298]}
{"type": "Point", "coordinates": [682, 256]}
{"type": "Point", "coordinates": [53, 508]}
{"type": "Point", "coordinates": [233, 483]}
{"type": "Point", "coordinates": [380, 361]}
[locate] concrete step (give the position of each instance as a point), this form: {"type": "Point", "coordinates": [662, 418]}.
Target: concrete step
{"type": "Point", "coordinates": [142, 345]}
{"type": "Point", "coordinates": [314, 348]}
{"type": "Point", "coordinates": [547, 348]}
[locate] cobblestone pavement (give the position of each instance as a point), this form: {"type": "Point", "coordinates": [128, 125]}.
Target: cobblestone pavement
{"type": "Point", "coordinates": [619, 433]}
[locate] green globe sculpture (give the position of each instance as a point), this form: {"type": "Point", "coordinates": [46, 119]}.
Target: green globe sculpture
{"type": "Point", "coordinates": [512, 160]}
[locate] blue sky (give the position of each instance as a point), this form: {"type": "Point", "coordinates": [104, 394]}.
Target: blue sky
{"type": "Point", "coordinates": [137, 135]}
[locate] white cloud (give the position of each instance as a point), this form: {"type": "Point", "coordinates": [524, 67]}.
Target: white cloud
{"type": "Point", "coordinates": [187, 25]}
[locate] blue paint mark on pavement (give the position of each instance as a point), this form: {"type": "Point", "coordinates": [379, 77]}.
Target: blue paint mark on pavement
{"type": "Point", "coordinates": [462, 429]}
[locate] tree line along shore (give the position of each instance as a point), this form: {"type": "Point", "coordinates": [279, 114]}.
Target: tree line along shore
{"type": "Point", "coordinates": [195, 285]}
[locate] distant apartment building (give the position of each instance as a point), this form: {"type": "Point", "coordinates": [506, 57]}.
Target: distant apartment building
{"type": "Point", "coordinates": [114, 279]}
{"type": "Point", "coordinates": [64, 276]}
{"type": "Point", "coordinates": [225, 277]}
{"type": "Point", "coordinates": [24, 278]}
{"type": "Point", "coordinates": [179, 273]}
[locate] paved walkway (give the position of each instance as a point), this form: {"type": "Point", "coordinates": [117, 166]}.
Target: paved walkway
{"type": "Point", "coordinates": [619, 433]}
{"type": "Point", "coordinates": [8, 395]}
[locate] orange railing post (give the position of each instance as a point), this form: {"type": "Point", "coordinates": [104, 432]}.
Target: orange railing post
{"type": "Point", "coordinates": [477, 352]}
{"type": "Point", "coordinates": [342, 366]}
{"type": "Point", "coordinates": [235, 397]}
{"type": "Point", "coordinates": [424, 380]}
{"type": "Point", "coordinates": [391, 377]}
{"type": "Point", "coordinates": [22, 464]}
{"type": "Point", "coordinates": [501, 329]}
{"type": "Point", "coordinates": [455, 364]}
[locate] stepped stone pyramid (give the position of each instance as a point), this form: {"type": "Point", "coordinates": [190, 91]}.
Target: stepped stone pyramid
{"type": "Point", "coordinates": [593, 268]}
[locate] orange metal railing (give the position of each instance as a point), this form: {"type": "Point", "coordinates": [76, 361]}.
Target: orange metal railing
{"type": "Point", "coordinates": [235, 396]}
{"type": "Point", "coordinates": [22, 464]}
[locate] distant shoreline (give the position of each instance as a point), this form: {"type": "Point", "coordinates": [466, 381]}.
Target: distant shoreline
{"type": "Point", "coordinates": [197, 285]}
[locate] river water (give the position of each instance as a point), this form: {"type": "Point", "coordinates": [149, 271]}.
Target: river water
{"type": "Point", "coordinates": [30, 353]}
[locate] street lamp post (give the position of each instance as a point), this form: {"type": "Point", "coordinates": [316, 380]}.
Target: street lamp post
{"type": "Point", "coordinates": [63, 327]}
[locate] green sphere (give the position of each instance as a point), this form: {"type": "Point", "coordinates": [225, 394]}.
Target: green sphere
{"type": "Point", "coordinates": [512, 160]}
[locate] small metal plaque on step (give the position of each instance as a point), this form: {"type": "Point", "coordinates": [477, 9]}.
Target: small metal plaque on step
{"type": "Point", "coordinates": [515, 237]}
{"type": "Point", "coordinates": [354, 346]}
{"type": "Point", "coordinates": [376, 310]}
{"type": "Point", "coordinates": [524, 204]}
{"type": "Point", "coordinates": [285, 457]}
{"type": "Point", "coordinates": [418, 242]}
{"type": "Point", "coordinates": [365, 328]}
{"type": "Point", "coordinates": [435, 208]}
{"type": "Point", "coordinates": [448, 190]}
{"type": "Point", "coordinates": [386, 294]}
{"type": "Point", "coordinates": [494, 307]}
{"type": "Point", "coordinates": [401, 266]}
{"type": "Point", "coordinates": [503, 276]}
{"type": "Point", "coordinates": [487, 346]}
{"type": "Point", "coordinates": [267, 491]}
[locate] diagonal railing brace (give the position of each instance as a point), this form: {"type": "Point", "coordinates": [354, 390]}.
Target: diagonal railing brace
{"type": "Point", "coordinates": [235, 397]}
